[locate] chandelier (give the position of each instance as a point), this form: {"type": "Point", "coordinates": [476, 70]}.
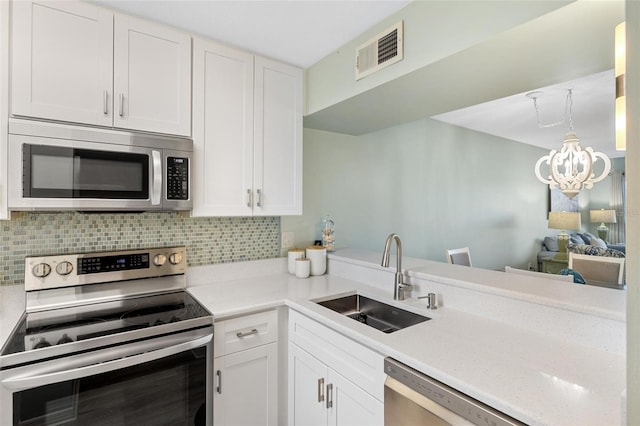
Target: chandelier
{"type": "Point", "coordinates": [570, 169]}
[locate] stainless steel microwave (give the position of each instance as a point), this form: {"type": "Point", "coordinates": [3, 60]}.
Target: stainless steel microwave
{"type": "Point", "coordinates": [61, 167]}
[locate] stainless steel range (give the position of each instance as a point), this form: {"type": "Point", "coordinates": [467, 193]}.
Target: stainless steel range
{"type": "Point", "coordinates": [108, 338]}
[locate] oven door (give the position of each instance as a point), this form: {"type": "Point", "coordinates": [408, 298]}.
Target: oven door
{"type": "Point", "coordinates": [160, 381]}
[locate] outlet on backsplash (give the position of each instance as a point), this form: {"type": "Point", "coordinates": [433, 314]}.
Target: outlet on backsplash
{"type": "Point", "coordinates": [287, 240]}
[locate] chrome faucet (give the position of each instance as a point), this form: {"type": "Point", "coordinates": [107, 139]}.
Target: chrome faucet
{"type": "Point", "coordinates": [399, 287]}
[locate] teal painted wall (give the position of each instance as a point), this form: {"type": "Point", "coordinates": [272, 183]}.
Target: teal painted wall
{"type": "Point", "coordinates": [438, 186]}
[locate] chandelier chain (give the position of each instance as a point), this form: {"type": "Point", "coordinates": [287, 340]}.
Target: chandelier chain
{"type": "Point", "coordinates": [568, 107]}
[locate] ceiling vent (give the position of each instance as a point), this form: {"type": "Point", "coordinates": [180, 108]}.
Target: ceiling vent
{"type": "Point", "coordinates": [381, 51]}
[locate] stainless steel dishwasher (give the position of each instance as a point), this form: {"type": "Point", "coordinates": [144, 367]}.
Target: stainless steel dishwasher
{"type": "Point", "coordinates": [412, 398]}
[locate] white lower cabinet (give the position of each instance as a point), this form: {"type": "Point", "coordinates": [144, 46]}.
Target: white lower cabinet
{"type": "Point", "coordinates": [246, 370]}
{"type": "Point", "coordinates": [321, 396]}
{"type": "Point", "coordinates": [342, 383]}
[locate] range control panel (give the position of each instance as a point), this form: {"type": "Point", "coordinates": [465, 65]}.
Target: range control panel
{"type": "Point", "coordinates": [46, 272]}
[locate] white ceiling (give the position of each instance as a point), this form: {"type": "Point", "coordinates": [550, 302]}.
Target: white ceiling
{"type": "Point", "coordinates": [299, 32]}
{"type": "Point", "coordinates": [514, 117]}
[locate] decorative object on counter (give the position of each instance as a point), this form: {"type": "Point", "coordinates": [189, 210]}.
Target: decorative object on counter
{"type": "Point", "coordinates": [318, 257]}
{"type": "Point", "coordinates": [563, 221]}
{"type": "Point", "coordinates": [303, 267]}
{"type": "Point", "coordinates": [293, 255]}
{"type": "Point", "coordinates": [328, 234]}
{"type": "Point", "coordinates": [603, 216]}
{"type": "Point", "coordinates": [620, 71]}
{"type": "Point", "coordinates": [570, 168]}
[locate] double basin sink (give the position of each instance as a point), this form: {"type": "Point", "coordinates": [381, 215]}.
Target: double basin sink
{"type": "Point", "coordinates": [373, 313]}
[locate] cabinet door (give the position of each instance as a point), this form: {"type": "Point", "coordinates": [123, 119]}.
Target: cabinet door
{"type": "Point", "coordinates": [352, 406]}
{"type": "Point", "coordinates": [152, 77]}
{"type": "Point", "coordinates": [222, 130]}
{"type": "Point", "coordinates": [307, 389]}
{"type": "Point", "coordinates": [62, 63]}
{"type": "Point", "coordinates": [277, 139]}
{"type": "Point", "coordinates": [247, 389]}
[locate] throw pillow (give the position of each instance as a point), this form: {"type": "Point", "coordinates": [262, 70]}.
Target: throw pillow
{"type": "Point", "coordinates": [598, 243]}
{"type": "Point", "coordinates": [551, 243]}
{"type": "Point", "coordinates": [576, 239]}
{"type": "Point", "coordinates": [593, 250]}
{"type": "Point", "coordinates": [587, 237]}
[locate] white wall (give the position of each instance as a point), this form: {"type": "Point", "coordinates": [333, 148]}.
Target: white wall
{"type": "Point", "coordinates": [438, 186]}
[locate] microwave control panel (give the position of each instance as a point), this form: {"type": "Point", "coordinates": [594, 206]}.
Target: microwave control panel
{"type": "Point", "coordinates": [177, 178]}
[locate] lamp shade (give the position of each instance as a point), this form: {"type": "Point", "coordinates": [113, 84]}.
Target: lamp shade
{"type": "Point", "coordinates": [602, 216]}
{"type": "Point", "coordinates": [564, 220]}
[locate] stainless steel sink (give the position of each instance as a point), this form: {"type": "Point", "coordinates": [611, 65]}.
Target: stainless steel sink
{"type": "Point", "coordinates": [375, 314]}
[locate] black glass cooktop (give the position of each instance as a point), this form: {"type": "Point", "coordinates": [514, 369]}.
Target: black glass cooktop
{"type": "Point", "coordinates": [63, 326]}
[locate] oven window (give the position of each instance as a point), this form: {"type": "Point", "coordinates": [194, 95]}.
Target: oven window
{"type": "Point", "coordinates": [170, 391]}
{"type": "Point", "coordinates": [61, 172]}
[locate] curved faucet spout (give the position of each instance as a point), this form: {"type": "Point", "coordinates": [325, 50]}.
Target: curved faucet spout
{"type": "Point", "coordinates": [399, 287]}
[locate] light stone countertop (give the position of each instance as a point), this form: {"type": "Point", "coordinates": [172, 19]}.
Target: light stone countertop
{"type": "Point", "coordinates": [533, 375]}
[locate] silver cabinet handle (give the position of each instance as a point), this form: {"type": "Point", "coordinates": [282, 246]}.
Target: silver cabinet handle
{"type": "Point", "coordinates": [121, 112]}
{"type": "Point", "coordinates": [219, 387]}
{"type": "Point", "coordinates": [320, 390]}
{"type": "Point", "coordinates": [259, 203]}
{"type": "Point", "coordinates": [249, 198]}
{"type": "Point", "coordinates": [330, 395]}
{"type": "Point", "coordinates": [240, 334]}
{"type": "Point", "coordinates": [105, 104]}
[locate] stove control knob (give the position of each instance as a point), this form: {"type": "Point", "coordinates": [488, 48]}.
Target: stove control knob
{"type": "Point", "coordinates": [159, 259]}
{"type": "Point", "coordinates": [175, 258]}
{"type": "Point", "coordinates": [64, 339]}
{"type": "Point", "coordinates": [42, 343]}
{"type": "Point", "coordinates": [64, 268]}
{"type": "Point", "coordinates": [41, 270]}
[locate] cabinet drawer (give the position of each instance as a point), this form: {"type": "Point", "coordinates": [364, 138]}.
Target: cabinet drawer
{"type": "Point", "coordinates": [356, 362]}
{"type": "Point", "coordinates": [245, 332]}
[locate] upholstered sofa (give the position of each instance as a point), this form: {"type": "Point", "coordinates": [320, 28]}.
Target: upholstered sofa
{"type": "Point", "coordinates": [585, 243]}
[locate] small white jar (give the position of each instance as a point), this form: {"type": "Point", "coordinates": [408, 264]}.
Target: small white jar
{"type": "Point", "coordinates": [293, 255]}
{"type": "Point", "coordinates": [318, 257]}
{"type": "Point", "coordinates": [303, 268]}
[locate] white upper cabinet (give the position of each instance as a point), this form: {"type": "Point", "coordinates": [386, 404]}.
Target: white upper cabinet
{"type": "Point", "coordinates": [71, 61]}
{"type": "Point", "coordinates": [247, 131]}
{"type": "Point", "coordinates": [62, 62]}
{"type": "Point", "coordinates": [277, 138]}
{"type": "Point", "coordinates": [222, 130]}
{"type": "Point", "coordinates": [152, 77]}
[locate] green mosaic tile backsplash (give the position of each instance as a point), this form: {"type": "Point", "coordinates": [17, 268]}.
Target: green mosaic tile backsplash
{"type": "Point", "coordinates": [208, 240]}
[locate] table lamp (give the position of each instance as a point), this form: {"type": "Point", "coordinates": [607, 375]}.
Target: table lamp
{"type": "Point", "coordinates": [563, 221]}
{"type": "Point", "coordinates": [603, 216]}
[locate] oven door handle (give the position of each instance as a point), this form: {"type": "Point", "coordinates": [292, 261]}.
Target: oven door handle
{"type": "Point", "coordinates": [18, 384]}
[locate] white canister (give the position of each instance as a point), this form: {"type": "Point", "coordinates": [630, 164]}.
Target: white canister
{"type": "Point", "coordinates": [294, 254]}
{"type": "Point", "coordinates": [303, 268]}
{"type": "Point", "coordinates": [318, 257]}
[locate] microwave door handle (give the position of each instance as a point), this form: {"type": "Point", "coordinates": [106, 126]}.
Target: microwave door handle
{"type": "Point", "coordinates": [156, 176]}
{"type": "Point", "coordinates": [19, 384]}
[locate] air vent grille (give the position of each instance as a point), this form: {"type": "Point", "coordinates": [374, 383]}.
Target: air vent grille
{"type": "Point", "coordinates": [379, 52]}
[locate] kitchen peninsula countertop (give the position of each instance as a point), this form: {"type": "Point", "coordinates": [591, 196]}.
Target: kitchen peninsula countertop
{"type": "Point", "coordinates": [536, 378]}
{"type": "Point", "coordinates": [527, 373]}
